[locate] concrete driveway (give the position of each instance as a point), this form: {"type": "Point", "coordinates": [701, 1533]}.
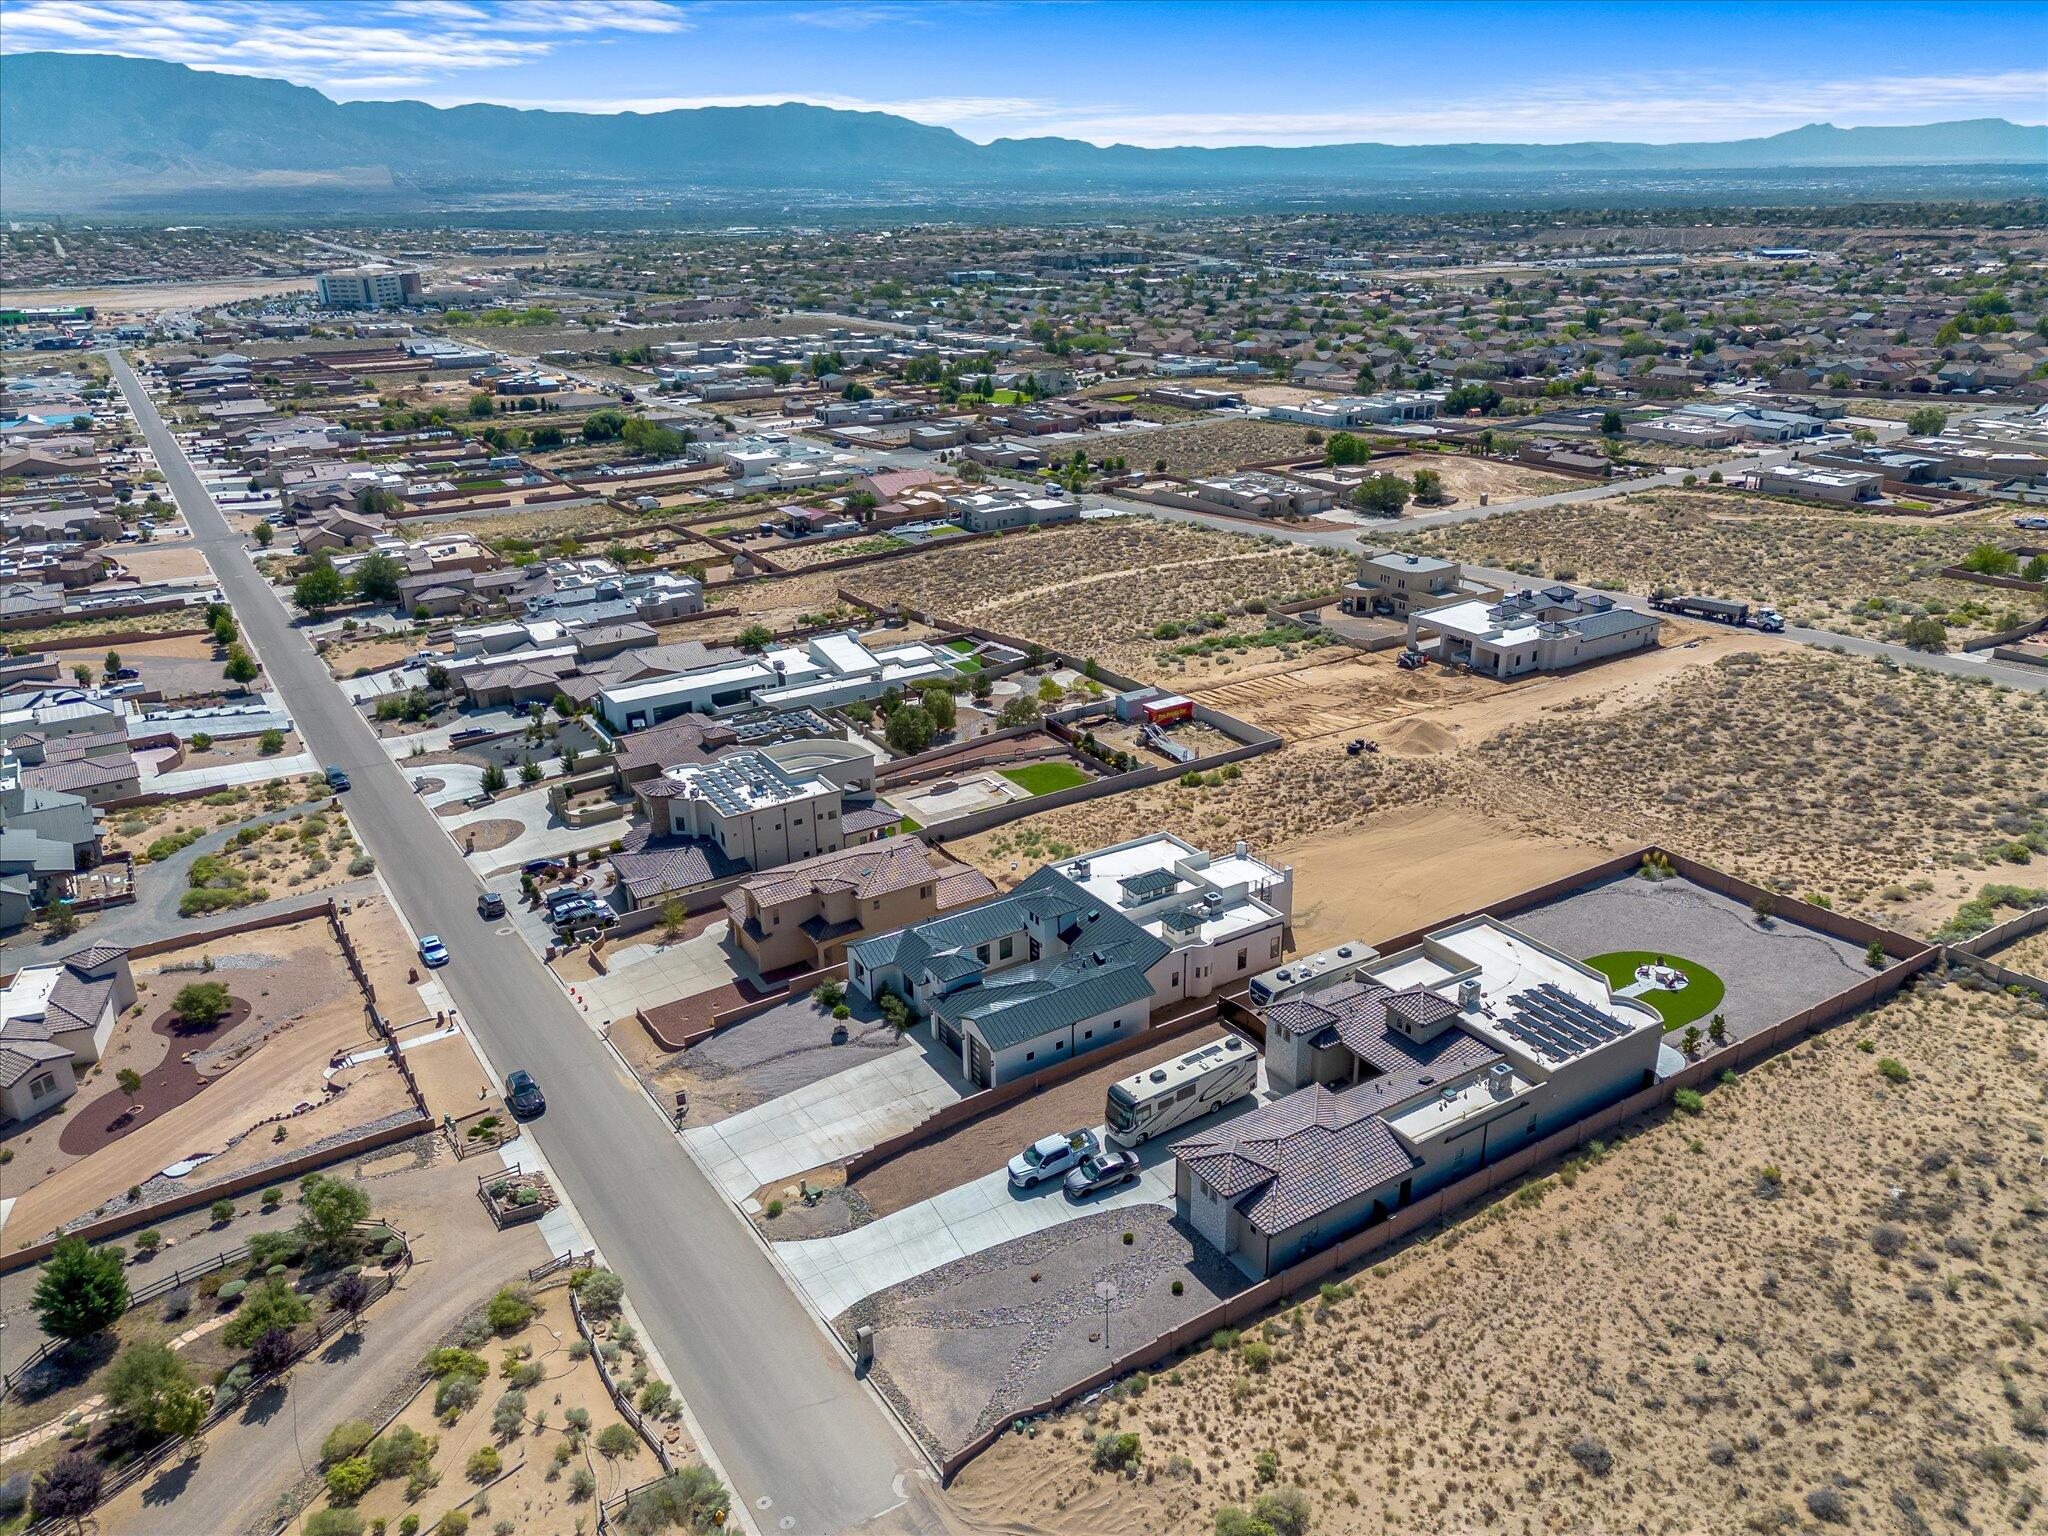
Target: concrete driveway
{"type": "Point", "coordinates": [824, 1122]}
{"type": "Point", "coordinates": [642, 975]}
{"type": "Point", "coordinates": [832, 1273]}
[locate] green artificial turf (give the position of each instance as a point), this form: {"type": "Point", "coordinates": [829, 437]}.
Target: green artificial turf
{"type": "Point", "coordinates": [1044, 778]}
{"type": "Point", "coordinates": [1702, 995]}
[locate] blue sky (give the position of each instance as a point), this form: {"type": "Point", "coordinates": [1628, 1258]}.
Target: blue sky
{"type": "Point", "coordinates": [1131, 71]}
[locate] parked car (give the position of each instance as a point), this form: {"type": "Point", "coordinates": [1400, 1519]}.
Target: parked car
{"type": "Point", "coordinates": [337, 780]}
{"type": "Point", "coordinates": [433, 951]}
{"type": "Point", "coordinates": [522, 1094]}
{"type": "Point", "coordinates": [469, 733]}
{"type": "Point", "coordinates": [2030, 522]}
{"type": "Point", "coordinates": [1107, 1169]}
{"type": "Point", "coordinates": [1050, 1157]}
{"type": "Point", "coordinates": [539, 867]}
{"type": "Point", "coordinates": [490, 904]}
{"type": "Point", "coordinates": [125, 674]}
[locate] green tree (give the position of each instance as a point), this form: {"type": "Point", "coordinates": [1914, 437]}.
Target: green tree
{"type": "Point", "coordinates": [909, 729]}
{"type": "Point", "coordinates": [1610, 424]}
{"type": "Point", "coordinates": [113, 662]}
{"type": "Point", "coordinates": [1429, 488]}
{"type": "Point", "coordinates": [1927, 421]}
{"type": "Point", "coordinates": [328, 1212]}
{"type": "Point", "coordinates": [377, 577]}
{"type": "Point", "coordinates": [1991, 560]}
{"type": "Point", "coordinates": [320, 588]}
{"type": "Point", "coordinates": [494, 779]}
{"type": "Point", "coordinates": [1346, 448]}
{"type": "Point", "coordinates": [264, 535]}
{"type": "Point", "coordinates": [936, 700]}
{"type": "Point", "coordinates": [152, 1393]}
{"type": "Point", "coordinates": [481, 405]}
{"type": "Point", "coordinates": [82, 1290]}
{"type": "Point", "coordinates": [756, 637]}
{"type": "Point", "coordinates": [225, 630]}
{"type": "Point", "coordinates": [275, 1306]}
{"type": "Point", "coordinates": [270, 743]}
{"type": "Point", "coordinates": [1483, 398]}
{"type": "Point", "coordinates": [1384, 495]}
{"type": "Point", "coordinates": [529, 771]}
{"type": "Point", "coordinates": [241, 667]}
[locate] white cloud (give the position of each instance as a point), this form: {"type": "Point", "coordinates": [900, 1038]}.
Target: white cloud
{"type": "Point", "coordinates": [383, 45]}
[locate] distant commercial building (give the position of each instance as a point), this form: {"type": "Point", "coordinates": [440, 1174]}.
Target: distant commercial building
{"type": "Point", "coordinates": [368, 288]}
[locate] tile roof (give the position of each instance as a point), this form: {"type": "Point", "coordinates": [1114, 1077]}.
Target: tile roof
{"type": "Point", "coordinates": [659, 866]}
{"type": "Point", "coordinates": [20, 1057]}
{"type": "Point", "coordinates": [1289, 1162]}
{"type": "Point", "coordinates": [1355, 1013]}
{"type": "Point", "coordinates": [871, 870]}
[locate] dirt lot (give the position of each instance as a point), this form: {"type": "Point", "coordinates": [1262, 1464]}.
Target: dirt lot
{"type": "Point", "coordinates": [535, 1488]}
{"type": "Point", "coordinates": [1406, 868]}
{"type": "Point", "coordinates": [1072, 586]}
{"type": "Point", "coordinates": [176, 668]}
{"type": "Point", "coordinates": [984, 1145]}
{"type": "Point", "coordinates": [306, 1011]}
{"type": "Point", "coordinates": [1201, 448]}
{"type": "Point", "coordinates": [1465, 477]}
{"type": "Point", "coordinates": [169, 560]}
{"type": "Point", "coordinates": [354, 658]}
{"type": "Point", "coordinates": [1847, 571]}
{"type": "Point", "coordinates": [1827, 1322]}
{"type": "Point", "coordinates": [136, 828]}
{"type": "Point", "coordinates": [2028, 955]}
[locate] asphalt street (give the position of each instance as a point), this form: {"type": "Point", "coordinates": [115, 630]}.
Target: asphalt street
{"type": "Point", "coordinates": [803, 1444]}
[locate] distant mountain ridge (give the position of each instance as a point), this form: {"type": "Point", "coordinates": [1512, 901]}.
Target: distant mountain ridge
{"type": "Point", "coordinates": [80, 129]}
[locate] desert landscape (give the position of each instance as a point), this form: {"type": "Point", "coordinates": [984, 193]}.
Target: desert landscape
{"type": "Point", "coordinates": [1813, 1304]}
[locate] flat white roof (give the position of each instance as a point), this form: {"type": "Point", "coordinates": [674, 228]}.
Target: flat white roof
{"type": "Point", "coordinates": [28, 995]}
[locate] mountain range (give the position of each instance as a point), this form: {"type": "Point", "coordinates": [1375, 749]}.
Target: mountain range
{"type": "Point", "coordinates": [80, 132]}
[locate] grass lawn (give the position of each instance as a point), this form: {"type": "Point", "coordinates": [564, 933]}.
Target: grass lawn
{"type": "Point", "coordinates": [1044, 778]}
{"type": "Point", "coordinates": [909, 824]}
{"type": "Point", "coordinates": [1702, 995]}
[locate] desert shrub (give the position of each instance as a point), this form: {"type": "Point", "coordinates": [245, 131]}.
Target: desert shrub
{"type": "Point", "coordinates": [401, 1452]}
{"type": "Point", "coordinates": [333, 1522]}
{"type": "Point", "coordinates": [1688, 1100]}
{"type": "Point", "coordinates": [508, 1416]}
{"type": "Point", "coordinates": [509, 1311]}
{"type": "Point", "coordinates": [346, 1439]}
{"type": "Point", "coordinates": [1258, 1355]}
{"type": "Point", "coordinates": [616, 1440]}
{"type": "Point", "coordinates": [1829, 1505]}
{"type": "Point", "coordinates": [454, 1397]}
{"type": "Point", "coordinates": [450, 1361]}
{"type": "Point", "coordinates": [1893, 1071]}
{"type": "Point", "coordinates": [1116, 1451]}
{"type": "Point", "coordinates": [1590, 1452]}
{"type": "Point", "coordinates": [600, 1291]}
{"type": "Point", "coordinates": [349, 1480]}
{"type": "Point", "coordinates": [1888, 1240]}
{"type": "Point", "coordinates": [484, 1464]}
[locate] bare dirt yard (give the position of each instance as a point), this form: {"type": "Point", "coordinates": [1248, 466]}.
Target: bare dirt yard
{"type": "Point", "coordinates": [1844, 571]}
{"type": "Point", "coordinates": [1819, 1306]}
{"type": "Point", "coordinates": [269, 1090]}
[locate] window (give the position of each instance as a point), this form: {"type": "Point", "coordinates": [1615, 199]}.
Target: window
{"type": "Point", "coordinates": [1031, 1055]}
{"type": "Point", "coordinates": [42, 1083]}
{"type": "Point", "coordinates": [1088, 1034]}
{"type": "Point", "coordinates": [1243, 958]}
{"type": "Point", "coordinates": [981, 953]}
{"type": "Point", "coordinates": [1007, 947]}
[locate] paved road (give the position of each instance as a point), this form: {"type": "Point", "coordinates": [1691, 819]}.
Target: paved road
{"type": "Point", "coordinates": [782, 1412]}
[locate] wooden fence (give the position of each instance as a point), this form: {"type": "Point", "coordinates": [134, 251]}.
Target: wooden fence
{"type": "Point", "coordinates": [160, 1286]}
{"type": "Point", "coordinates": [277, 1173]}
{"type": "Point", "coordinates": [381, 1285]}
{"type": "Point", "coordinates": [622, 1397]}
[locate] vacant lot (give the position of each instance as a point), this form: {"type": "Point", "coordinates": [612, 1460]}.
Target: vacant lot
{"type": "Point", "coordinates": [1103, 589]}
{"type": "Point", "coordinates": [1822, 1303]}
{"type": "Point", "coordinates": [1848, 571]}
{"type": "Point", "coordinates": [1466, 478]}
{"type": "Point", "coordinates": [1203, 447]}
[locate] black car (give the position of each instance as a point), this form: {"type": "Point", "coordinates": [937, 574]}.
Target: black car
{"type": "Point", "coordinates": [539, 867]}
{"type": "Point", "coordinates": [490, 904]}
{"type": "Point", "coordinates": [523, 1095]}
{"type": "Point", "coordinates": [337, 780]}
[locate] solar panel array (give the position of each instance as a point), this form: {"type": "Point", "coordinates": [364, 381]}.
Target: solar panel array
{"type": "Point", "coordinates": [1552, 1021]}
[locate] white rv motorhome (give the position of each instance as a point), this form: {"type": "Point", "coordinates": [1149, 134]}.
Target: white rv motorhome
{"type": "Point", "coordinates": [1175, 1092]}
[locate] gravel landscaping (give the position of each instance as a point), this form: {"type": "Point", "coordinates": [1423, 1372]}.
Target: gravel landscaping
{"type": "Point", "coordinates": [1770, 972]}
{"type": "Point", "coordinates": [966, 1346]}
